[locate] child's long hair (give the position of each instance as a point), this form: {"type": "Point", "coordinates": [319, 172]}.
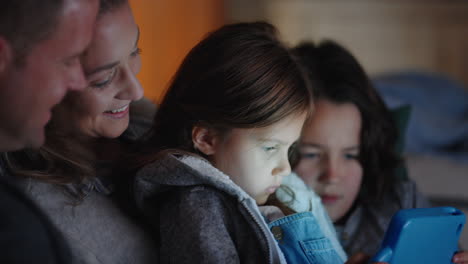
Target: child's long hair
{"type": "Point", "coordinates": [343, 80]}
{"type": "Point", "coordinates": [239, 76]}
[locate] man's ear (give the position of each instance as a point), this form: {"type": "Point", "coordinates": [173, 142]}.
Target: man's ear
{"type": "Point", "coordinates": [6, 54]}
{"type": "Point", "coordinates": [205, 139]}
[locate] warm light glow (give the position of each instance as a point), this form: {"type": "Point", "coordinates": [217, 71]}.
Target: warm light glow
{"type": "Point", "coordinates": [169, 29]}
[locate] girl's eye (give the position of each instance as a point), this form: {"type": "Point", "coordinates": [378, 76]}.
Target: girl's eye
{"type": "Point", "coordinates": [310, 155]}
{"type": "Point", "coordinates": [106, 81]}
{"type": "Point", "coordinates": [136, 52]}
{"type": "Point", "coordinates": [349, 156]}
{"type": "Point", "coordinates": [270, 148]}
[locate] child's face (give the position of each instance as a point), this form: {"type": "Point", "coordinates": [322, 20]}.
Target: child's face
{"type": "Point", "coordinates": [257, 159]}
{"type": "Point", "coordinates": [329, 148]}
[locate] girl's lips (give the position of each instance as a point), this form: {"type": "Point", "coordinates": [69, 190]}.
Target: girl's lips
{"type": "Point", "coordinates": [120, 113]}
{"type": "Point", "coordinates": [329, 199]}
{"type": "Point", "coordinates": [272, 189]}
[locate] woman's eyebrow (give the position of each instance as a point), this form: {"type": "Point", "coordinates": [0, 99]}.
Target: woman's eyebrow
{"type": "Point", "coordinates": [102, 68]}
{"type": "Point", "coordinates": [138, 37]}
{"type": "Point", "coordinates": [112, 64]}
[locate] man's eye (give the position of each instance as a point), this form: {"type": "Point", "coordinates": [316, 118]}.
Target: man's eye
{"type": "Point", "coordinates": [71, 61]}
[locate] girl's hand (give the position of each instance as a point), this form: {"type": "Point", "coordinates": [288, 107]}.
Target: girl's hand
{"type": "Point", "coordinates": [460, 257]}
{"type": "Point", "coordinates": [361, 258]}
{"type": "Point", "coordinates": [358, 258]}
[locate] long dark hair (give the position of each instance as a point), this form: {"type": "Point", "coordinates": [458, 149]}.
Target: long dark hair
{"type": "Point", "coordinates": [239, 76]}
{"type": "Point", "coordinates": [343, 80]}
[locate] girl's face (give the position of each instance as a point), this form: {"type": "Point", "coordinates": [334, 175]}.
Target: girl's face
{"type": "Point", "coordinates": [329, 149]}
{"type": "Point", "coordinates": [110, 64]}
{"type": "Point", "coordinates": [257, 159]}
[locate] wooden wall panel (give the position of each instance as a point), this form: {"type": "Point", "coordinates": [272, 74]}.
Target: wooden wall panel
{"type": "Point", "coordinates": [385, 35]}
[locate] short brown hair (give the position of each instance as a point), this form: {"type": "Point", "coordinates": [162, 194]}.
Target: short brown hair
{"type": "Point", "coordinates": [24, 23]}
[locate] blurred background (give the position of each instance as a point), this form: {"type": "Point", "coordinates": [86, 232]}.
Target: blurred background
{"type": "Point", "coordinates": [415, 50]}
{"type": "Point", "coordinates": [384, 35]}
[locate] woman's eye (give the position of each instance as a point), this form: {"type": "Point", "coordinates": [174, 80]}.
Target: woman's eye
{"type": "Point", "coordinates": [136, 52]}
{"type": "Point", "coordinates": [105, 82]}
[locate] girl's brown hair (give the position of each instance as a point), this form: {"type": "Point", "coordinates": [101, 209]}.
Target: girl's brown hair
{"type": "Point", "coordinates": [342, 80]}
{"type": "Point", "coordinates": [239, 76]}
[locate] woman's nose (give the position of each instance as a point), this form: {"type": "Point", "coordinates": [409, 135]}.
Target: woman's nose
{"type": "Point", "coordinates": [131, 87]}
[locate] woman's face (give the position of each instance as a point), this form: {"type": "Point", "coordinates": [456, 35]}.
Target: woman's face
{"type": "Point", "coordinates": [329, 149]}
{"type": "Point", "coordinates": [110, 64]}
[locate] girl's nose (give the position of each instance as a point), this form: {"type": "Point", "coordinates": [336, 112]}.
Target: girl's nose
{"type": "Point", "coordinates": [283, 168]}
{"type": "Point", "coordinates": [331, 172]}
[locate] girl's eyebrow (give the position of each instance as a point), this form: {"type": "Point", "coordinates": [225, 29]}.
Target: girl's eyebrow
{"type": "Point", "coordinates": [351, 148]}
{"type": "Point", "coordinates": [277, 141]}
{"type": "Point", "coordinates": [309, 144]}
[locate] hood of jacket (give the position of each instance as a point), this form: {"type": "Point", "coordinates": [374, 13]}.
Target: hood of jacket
{"type": "Point", "coordinates": [174, 169]}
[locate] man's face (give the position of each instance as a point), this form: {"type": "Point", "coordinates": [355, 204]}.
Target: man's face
{"type": "Point", "coordinates": [29, 91]}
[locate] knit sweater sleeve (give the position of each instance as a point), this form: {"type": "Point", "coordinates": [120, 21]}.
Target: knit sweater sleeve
{"type": "Point", "coordinates": [195, 226]}
{"type": "Point", "coordinates": [410, 196]}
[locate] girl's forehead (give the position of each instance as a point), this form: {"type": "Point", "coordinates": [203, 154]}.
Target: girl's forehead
{"type": "Point", "coordinates": [333, 125]}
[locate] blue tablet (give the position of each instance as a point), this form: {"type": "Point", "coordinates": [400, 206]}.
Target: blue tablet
{"type": "Point", "coordinates": [422, 235]}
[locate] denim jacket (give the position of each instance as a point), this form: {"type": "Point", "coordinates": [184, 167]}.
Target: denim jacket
{"type": "Point", "coordinates": [308, 236]}
{"type": "Point", "coordinates": [301, 240]}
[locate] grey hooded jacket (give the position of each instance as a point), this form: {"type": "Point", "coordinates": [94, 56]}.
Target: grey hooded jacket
{"type": "Point", "coordinates": [201, 215]}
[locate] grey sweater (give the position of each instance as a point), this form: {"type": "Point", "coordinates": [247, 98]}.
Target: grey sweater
{"type": "Point", "coordinates": [202, 216]}
{"type": "Point", "coordinates": [96, 230]}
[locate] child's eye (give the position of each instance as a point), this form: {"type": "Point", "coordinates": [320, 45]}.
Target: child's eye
{"type": "Point", "coordinates": [270, 148]}
{"type": "Point", "coordinates": [351, 156]}
{"type": "Point", "coordinates": [310, 155]}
